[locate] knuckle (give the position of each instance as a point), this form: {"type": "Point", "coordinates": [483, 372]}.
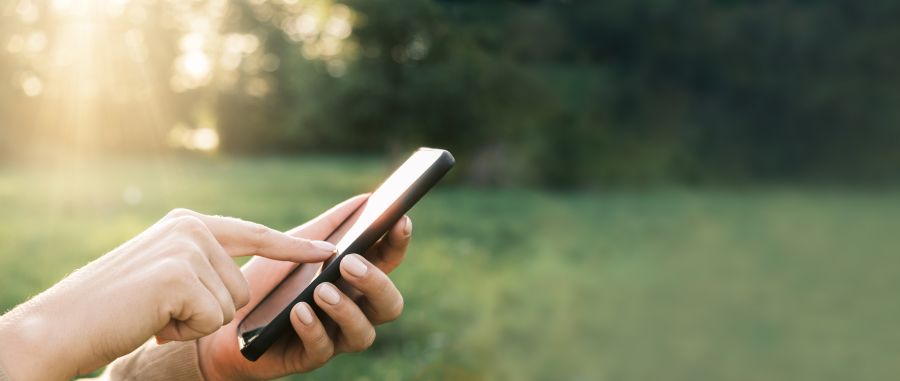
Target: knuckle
{"type": "Point", "coordinates": [304, 245]}
{"type": "Point", "coordinates": [187, 250]}
{"type": "Point", "coordinates": [324, 352]}
{"type": "Point", "coordinates": [184, 244]}
{"type": "Point", "coordinates": [260, 235]}
{"type": "Point", "coordinates": [211, 326]}
{"type": "Point", "coordinates": [241, 292]}
{"type": "Point", "coordinates": [258, 230]}
{"type": "Point", "coordinates": [179, 212]}
{"type": "Point", "coordinates": [383, 285]}
{"type": "Point", "coordinates": [227, 314]}
{"type": "Point", "coordinates": [320, 339]}
{"type": "Point", "coordinates": [190, 225]}
{"type": "Point", "coordinates": [321, 349]}
{"type": "Point", "coordinates": [210, 320]}
{"type": "Point", "coordinates": [366, 342]}
{"type": "Point", "coordinates": [175, 271]}
{"type": "Point", "coordinates": [321, 358]}
{"type": "Point", "coordinates": [395, 310]}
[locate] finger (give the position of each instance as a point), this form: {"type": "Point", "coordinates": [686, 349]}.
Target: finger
{"type": "Point", "coordinates": [382, 300]}
{"type": "Point", "coordinates": [317, 345]}
{"type": "Point", "coordinates": [211, 280]}
{"type": "Point", "coordinates": [389, 252]}
{"type": "Point", "coordinates": [263, 274]}
{"type": "Point", "coordinates": [321, 226]}
{"type": "Point", "coordinates": [197, 314]}
{"type": "Point", "coordinates": [228, 273]}
{"type": "Point", "coordinates": [356, 332]}
{"type": "Point", "coordinates": [243, 238]}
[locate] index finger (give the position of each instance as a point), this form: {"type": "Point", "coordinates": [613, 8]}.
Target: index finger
{"type": "Point", "coordinates": [242, 238]}
{"type": "Point", "coordinates": [264, 274]}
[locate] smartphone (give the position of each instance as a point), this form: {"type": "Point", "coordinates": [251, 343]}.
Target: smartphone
{"type": "Point", "coordinates": [270, 320]}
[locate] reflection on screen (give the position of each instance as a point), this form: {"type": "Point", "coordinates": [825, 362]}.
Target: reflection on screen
{"type": "Point", "coordinates": [343, 237]}
{"type": "Point", "coordinates": [386, 194]}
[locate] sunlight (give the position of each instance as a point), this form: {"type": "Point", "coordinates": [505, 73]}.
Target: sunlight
{"type": "Point", "coordinates": [323, 28]}
{"type": "Point", "coordinates": [195, 64]}
{"type": "Point", "coordinates": [192, 41]}
{"type": "Point", "coordinates": [132, 194]}
{"type": "Point", "coordinates": [32, 86]}
{"type": "Point", "coordinates": [205, 139]}
{"type": "Point", "coordinates": [103, 72]}
{"type": "Point", "coordinates": [61, 5]}
{"type": "Point", "coordinates": [338, 27]}
{"type": "Point", "coordinates": [28, 12]}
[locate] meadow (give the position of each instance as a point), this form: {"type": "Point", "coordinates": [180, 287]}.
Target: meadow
{"type": "Point", "coordinates": [758, 283]}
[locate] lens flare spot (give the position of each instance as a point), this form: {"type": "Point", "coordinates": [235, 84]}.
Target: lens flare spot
{"type": "Point", "coordinates": [192, 42]}
{"type": "Point", "coordinates": [28, 12]}
{"type": "Point", "coordinates": [36, 42]}
{"type": "Point", "coordinates": [32, 86]}
{"type": "Point", "coordinates": [339, 28]}
{"type": "Point", "coordinates": [195, 64]}
{"type": "Point", "coordinates": [132, 195]}
{"type": "Point", "coordinates": [61, 5]}
{"type": "Point", "coordinates": [205, 139]}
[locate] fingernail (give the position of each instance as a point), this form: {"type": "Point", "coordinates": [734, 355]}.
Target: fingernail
{"type": "Point", "coordinates": [304, 313]}
{"type": "Point", "coordinates": [354, 265]}
{"type": "Point", "coordinates": [329, 294]}
{"type": "Point", "coordinates": [407, 226]}
{"type": "Point", "coordinates": [325, 246]}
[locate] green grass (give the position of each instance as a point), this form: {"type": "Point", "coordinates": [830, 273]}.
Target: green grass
{"type": "Point", "coordinates": [762, 284]}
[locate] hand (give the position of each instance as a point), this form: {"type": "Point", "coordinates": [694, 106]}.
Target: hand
{"type": "Point", "coordinates": [176, 280]}
{"type": "Point", "coordinates": [364, 298]}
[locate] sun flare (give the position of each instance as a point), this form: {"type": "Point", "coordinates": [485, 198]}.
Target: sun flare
{"type": "Point", "coordinates": [140, 69]}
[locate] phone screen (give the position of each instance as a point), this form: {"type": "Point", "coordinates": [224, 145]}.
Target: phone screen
{"type": "Point", "coordinates": [343, 237]}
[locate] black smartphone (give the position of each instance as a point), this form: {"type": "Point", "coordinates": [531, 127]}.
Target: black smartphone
{"type": "Point", "coordinates": [270, 320]}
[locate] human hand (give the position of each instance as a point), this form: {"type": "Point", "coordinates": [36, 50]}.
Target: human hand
{"type": "Point", "coordinates": [365, 297]}
{"type": "Point", "coordinates": [176, 280]}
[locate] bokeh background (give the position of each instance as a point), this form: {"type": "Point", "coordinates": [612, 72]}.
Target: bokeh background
{"type": "Point", "coordinates": [655, 189]}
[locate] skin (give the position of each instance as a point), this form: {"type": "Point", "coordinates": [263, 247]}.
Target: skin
{"type": "Point", "coordinates": [177, 281]}
{"type": "Point", "coordinates": [363, 302]}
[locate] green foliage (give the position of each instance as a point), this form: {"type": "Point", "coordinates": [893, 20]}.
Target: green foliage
{"type": "Point", "coordinates": [612, 92]}
{"type": "Point", "coordinates": [565, 94]}
{"type": "Point", "coordinates": [756, 284]}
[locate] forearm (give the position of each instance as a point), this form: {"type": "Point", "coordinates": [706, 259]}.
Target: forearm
{"type": "Point", "coordinates": [31, 350]}
{"type": "Point", "coordinates": [33, 346]}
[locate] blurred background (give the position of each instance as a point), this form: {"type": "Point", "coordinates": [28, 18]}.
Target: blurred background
{"type": "Point", "coordinates": [651, 189]}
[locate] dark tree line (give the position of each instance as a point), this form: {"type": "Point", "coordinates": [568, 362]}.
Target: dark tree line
{"type": "Point", "coordinates": [591, 93]}
{"type": "Point", "coordinates": [613, 92]}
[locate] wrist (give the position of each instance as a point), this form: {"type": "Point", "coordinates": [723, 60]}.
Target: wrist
{"type": "Point", "coordinates": [217, 364]}
{"type": "Point", "coordinates": [208, 368]}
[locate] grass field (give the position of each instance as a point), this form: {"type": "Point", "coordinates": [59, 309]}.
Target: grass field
{"type": "Point", "coordinates": [674, 284]}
